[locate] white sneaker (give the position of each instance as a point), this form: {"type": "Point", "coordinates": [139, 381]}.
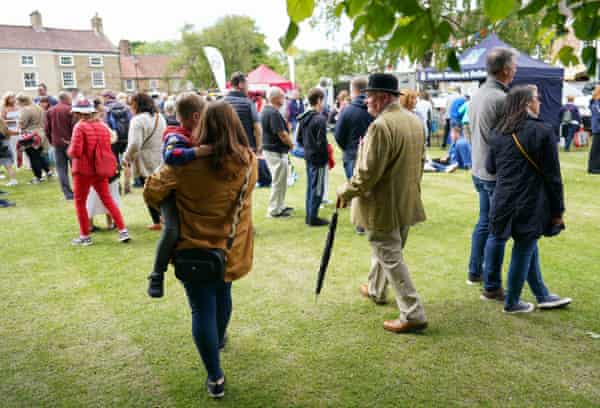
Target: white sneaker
{"type": "Point", "coordinates": [12, 183]}
{"type": "Point", "coordinates": [2, 176]}
{"type": "Point", "coordinates": [451, 168]}
{"type": "Point", "coordinates": [554, 302]}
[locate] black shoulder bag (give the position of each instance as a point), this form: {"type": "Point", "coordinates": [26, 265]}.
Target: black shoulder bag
{"type": "Point", "coordinates": [205, 265]}
{"type": "Point", "coordinates": [551, 229]}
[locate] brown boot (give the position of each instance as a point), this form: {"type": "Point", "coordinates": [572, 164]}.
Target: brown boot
{"type": "Point", "coordinates": [398, 326]}
{"type": "Point", "coordinates": [364, 290]}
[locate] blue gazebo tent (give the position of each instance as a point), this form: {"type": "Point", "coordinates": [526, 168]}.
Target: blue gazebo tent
{"type": "Point", "coordinates": [548, 78]}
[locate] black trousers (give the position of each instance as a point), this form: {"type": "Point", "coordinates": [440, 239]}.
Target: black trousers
{"type": "Point", "coordinates": [446, 132]}
{"type": "Point", "coordinates": [594, 159]}
{"type": "Point", "coordinates": [38, 162]}
{"type": "Point", "coordinates": [154, 214]}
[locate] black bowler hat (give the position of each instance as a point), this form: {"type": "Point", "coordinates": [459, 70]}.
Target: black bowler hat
{"type": "Point", "coordinates": [383, 83]}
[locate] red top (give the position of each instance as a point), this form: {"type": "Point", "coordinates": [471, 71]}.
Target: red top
{"type": "Point", "coordinates": [59, 124]}
{"type": "Point", "coordinates": [86, 135]}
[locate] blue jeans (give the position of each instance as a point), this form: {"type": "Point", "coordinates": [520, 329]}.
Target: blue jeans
{"type": "Point", "coordinates": [349, 168]}
{"type": "Point", "coordinates": [569, 133]}
{"type": "Point", "coordinates": [315, 187]}
{"type": "Point", "coordinates": [479, 249]}
{"type": "Point", "coordinates": [211, 310]}
{"type": "Point", "coordinates": [525, 265]}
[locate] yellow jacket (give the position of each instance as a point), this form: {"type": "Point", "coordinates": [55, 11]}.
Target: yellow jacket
{"type": "Point", "coordinates": [206, 201]}
{"type": "Point", "coordinates": [388, 172]}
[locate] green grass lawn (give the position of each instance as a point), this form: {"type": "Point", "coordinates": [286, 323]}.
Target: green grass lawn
{"type": "Point", "coordinates": [77, 329]}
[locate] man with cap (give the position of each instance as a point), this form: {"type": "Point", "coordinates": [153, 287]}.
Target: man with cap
{"type": "Point", "coordinates": [385, 191]}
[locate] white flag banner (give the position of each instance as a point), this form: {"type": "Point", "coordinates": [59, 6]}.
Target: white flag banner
{"type": "Point", "coordinates": [217, 65]}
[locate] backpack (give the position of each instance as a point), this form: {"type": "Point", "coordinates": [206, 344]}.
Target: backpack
{"type": "Point", "coordinates": [120, 121]}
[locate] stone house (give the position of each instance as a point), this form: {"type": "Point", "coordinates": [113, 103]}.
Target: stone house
{"type": "Point", "coordinates": [62, 59]}
{"type": "Point", "coordinates": [149, 73]}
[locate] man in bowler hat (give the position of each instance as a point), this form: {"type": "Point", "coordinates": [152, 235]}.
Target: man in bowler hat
{"type": "Point", "coordinates": [385, 191]}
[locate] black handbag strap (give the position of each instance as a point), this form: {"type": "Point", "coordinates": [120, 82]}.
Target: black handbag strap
{"type": "Point", "coordinates": [238, 209]}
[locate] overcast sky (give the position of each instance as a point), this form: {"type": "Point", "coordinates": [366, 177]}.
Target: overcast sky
{"type": "Point", "coordinates": [161, 20]}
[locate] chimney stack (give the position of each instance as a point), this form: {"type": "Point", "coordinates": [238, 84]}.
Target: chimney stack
{"type": "Point", "coordinates": [36, 21]}
{"type": "Point", "coordinates": [97, 25]}
{"type": "Point", "coordinates": [124, 48]}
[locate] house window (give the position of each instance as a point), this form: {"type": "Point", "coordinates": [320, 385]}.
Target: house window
{"type": "Point", "coordinates": [30, 80]}
{"type": "Point", "coordinates": [66, 61]}
{"type": "Point", "coordinates": [129, 85]}
{"type": "Point", "coordinates": [27, 60]}
{"type": "Point", "coordinates": [98, 79]}
{"type": "Point", "coordinates": [68, 79]}
{"type": "Point", "coordinates": [176, 85]}
{"type": "Point", "coordinates": [153, 84]}
{"type": "Point", "coordinates": [96, 61]}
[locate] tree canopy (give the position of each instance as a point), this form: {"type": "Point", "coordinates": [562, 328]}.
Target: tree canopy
{"type": "Point", "coordinates": [421, 28]}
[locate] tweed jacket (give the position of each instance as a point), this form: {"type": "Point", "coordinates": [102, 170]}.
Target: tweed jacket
{"type": "Point", "coordinates": [386, 184]}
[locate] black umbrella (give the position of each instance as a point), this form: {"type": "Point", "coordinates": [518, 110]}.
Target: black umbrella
{"type": "Point", "coordinates": [328, 248]}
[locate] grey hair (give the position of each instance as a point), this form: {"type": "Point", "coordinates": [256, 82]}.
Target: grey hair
{"type": "Point", "coordinates": [274, 92]}
{"type": "Point", "coordinates": [170, 106]}
{"type": "Point", "coordinates": [498, 59]}
{"type": "Point", "coordinates": [63, 96]}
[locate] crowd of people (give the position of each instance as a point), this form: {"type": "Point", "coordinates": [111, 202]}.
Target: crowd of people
{"type": "Point", "coordinates": [172, 147]}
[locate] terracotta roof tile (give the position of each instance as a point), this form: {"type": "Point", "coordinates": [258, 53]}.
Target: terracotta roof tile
{"type": "Point", "coordinates": [54, 39]}
{"type": "Point", "coordinates": [149, 66]}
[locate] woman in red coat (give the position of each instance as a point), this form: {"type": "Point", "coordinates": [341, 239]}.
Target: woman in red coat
{"type": "Point", "coordinates": [91, 140]}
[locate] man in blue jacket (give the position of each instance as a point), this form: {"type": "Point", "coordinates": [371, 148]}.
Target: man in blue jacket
{"type": "Point", "coordinates": [352, 124]}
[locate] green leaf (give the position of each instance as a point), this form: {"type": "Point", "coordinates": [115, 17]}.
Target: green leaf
{"type": "Point", "coordinates": [355, 7]}
{"type": "Point", "coordinates": [407, 7]}
{"type": "Point", "coordinates": [552, 17]}
{"type": "Point", "coordinates": [289, 36]}
{"type": "Point", "coordinates": [587, 27]}
{"type": "Point", "coordinates": [339, 9]}
{"type": "Point", "coordinates": [452, 60]}
{"type": "Point", "coordinates": [588, 56]}
{"type": "Point", "coordinates": [533, 7]}
{"type": "Point", "coordinates": [359, 23]}
{"type": "Point", "coordinates": [299, 10]}
{"type": "Point", "coordinates": [380, 21]}
{"type": "Point", "coordinates": [443, 32]}
{"type": "Point", "coordinates": [498, 9]}
{"type": "Point", "coordinates": [567, 56]}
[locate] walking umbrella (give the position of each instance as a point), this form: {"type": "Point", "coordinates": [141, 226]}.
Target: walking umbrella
{"type": "Point", "coordinates": [328, 248]}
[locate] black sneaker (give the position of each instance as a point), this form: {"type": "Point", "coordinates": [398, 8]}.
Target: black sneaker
{"type": "Point", "coordinates": [495, 295]}
{"type": "Point", "coordinates": [94, 228]}
{"type": "Point", "coordinates": [156, 284]}
{"type": "Point", "coordinates": [287, 210]}
{"type": "Point", "coordinates": [280, 215]}
{"type": "Point", "coordinates": [318, 222]}
{"type": "Point", "coordinates": [360, 231]}
{"type": "Point", "coordinates": [82, 241]}
{"type": "Point", "coordinates": [215, 390]}
{"type": "Point", "coordinates": [6, 204]}
{"type": "Point", "coordinates": [474, 280]}
{"type": "Point", "coordinates": [521, 307]}
{"type": "Point", "coordinates": [554, 302]}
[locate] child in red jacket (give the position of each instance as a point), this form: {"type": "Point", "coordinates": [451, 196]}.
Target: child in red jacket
{"type": "Point", "coordinates": [89, 135]}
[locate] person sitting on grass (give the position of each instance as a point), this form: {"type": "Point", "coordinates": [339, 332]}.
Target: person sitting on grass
{"type": "Point", "coordinates": [458, 157]}
{"type": "Point", "coordinates": [178, 149]}
{"type": "Point", "coordinates": [312, 136]}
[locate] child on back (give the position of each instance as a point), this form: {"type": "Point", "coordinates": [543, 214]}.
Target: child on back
{"type": "Point", "coordinates": [177, 150]}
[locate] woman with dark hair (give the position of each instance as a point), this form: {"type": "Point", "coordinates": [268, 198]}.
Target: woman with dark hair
{"type": "Point", "coordinates": [217, 215]}
{"type": "Point", "coordinates": [144, 142]}
{"type": "Point", "coordinates": [528, 199]}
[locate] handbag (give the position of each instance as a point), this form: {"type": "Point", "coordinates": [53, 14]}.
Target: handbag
{"type": "Point", "coordinates": [206, 265]}
{"type": "Point", "coordinates": [551, 229]}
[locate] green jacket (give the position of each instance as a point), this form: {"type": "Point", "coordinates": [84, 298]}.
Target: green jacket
{"type": "Point", "coordinates": [387, 176]}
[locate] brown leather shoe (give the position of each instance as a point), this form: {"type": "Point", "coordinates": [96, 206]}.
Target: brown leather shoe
{"type": "Point", "coordinates": [397, 326]}
{"type": "Point", "coordinates": [154, 227]}
{"type": "Point", "coordinates": [364, 290]}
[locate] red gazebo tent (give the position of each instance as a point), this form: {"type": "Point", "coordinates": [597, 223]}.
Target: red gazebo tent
{"type": "Point", "coordinates": [263, 77]}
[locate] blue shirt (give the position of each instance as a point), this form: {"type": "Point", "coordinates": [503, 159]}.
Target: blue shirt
{"type": "Point", "coordinates": [455, 113]}
{"type": "Point", "coordinates": [460, 153]}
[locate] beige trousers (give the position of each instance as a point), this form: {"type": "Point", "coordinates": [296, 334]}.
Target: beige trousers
{"type": "Point", "coordinates": [387, 265]}
{"type": "Point", "coordinates": [278, 166]}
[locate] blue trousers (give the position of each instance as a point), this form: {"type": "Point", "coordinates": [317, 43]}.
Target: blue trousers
{"type": "Point", "coordinates": [524, 266]}
{"type": "Point", "coordinates": [315, 187]}
{"type": "Point", "coordinates": [211, 311]}
{"type": "Point", "coordinates": [349, 168]}
{"type": "Point", "coordinates": [491, 255]}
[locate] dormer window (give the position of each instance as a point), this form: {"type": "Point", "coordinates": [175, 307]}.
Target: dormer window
{"type": "Point", "coordinates": [66, 61]}
{"type": "Point", "coordinates": [27, 61]}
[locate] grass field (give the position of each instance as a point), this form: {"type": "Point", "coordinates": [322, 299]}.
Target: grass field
{"type": "Point", "coordinates": [77, 329]}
